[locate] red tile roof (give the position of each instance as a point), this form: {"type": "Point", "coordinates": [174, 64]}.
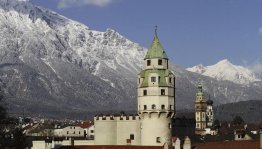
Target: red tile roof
{"type": "Point", "coordinates": [85, 124]}
{"type": "Point", "coordinates": [249, 144]}
{"type": "Point", "coordinates": [111, 147]}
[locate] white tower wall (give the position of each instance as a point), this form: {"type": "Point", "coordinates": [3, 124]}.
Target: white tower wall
{"type": "Point", "coordinates": [155, 129]}
{"type": "Point", "coordinates": [156, 92]}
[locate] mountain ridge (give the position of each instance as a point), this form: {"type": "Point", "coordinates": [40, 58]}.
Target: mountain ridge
{"type": "Point", "coordinates": [225, 70]}
{"type": "Point", "coordinates": [51, 66]}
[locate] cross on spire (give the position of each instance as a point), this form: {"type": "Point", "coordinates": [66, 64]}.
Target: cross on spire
{"type": "Point", "coordinates": [155, 29]}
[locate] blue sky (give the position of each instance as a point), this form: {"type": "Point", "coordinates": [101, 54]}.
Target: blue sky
{"type": "Point", "coordinates": [191, 31]}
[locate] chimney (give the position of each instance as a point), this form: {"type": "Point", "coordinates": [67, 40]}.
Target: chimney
{"type": "Point", "coordinates": [260, 137]}
{"type": "Point", "coordinates": [187, 143]}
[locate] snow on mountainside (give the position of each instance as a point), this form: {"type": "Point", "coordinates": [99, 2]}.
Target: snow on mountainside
{"type": "Point", "coordinates": [56, 67]}
{"type": "Point", "coordinates": [225, 70]}
{"type": "Point", "coordinates": [54, 59]}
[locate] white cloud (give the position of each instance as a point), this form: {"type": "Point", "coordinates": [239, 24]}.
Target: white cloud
{"type": "Point", "coordinates": [76, 3]}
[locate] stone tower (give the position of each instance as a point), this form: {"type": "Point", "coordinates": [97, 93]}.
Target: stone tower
{"type": "Point", "coordinates": [209, 113]}
{"type": "Point", "coordinates": [156, 97]}
{"type": "Point", "coordinates": [200, 111]}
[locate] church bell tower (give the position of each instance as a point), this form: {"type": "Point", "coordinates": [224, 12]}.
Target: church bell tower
{"type": "Point", "coordinates": [156, 97]}
{"type": "Point", "coordinates": [200, 111]}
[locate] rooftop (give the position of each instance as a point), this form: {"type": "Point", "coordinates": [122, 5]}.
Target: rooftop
{"type": "Point", "coordinates": [249, 144]}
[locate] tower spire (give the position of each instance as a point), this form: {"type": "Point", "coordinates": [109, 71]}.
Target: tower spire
{"type": "Point", "coordinates": [155, 30]}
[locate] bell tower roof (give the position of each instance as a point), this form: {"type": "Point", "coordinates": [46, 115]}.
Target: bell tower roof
{"type": "Point", "coordinates": [156, 50]}
{"type": "Point", "coordinates": [199, 90]}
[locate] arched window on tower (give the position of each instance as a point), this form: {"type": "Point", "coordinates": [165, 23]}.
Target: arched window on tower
{"type": "Point", "coordinates": [162, 107]}
{"type": "Point", "coordinates": [153, 106]}
{"type": "Point", "coordinates": [145, 107]}
{"type": "Point", "coordinates": [160, 62]}
{"type": "Point", "coordinates": [145, 92]}
{"type": "Point", "coordinates": [163, 92]}
{"type": "Point", "coordinates": [148, 62]}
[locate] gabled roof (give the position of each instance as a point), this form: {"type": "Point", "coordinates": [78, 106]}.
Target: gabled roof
{"type": "Point", "coordinates": [85, 124]}
{"type": "Point", "coordinates": [156, 50]}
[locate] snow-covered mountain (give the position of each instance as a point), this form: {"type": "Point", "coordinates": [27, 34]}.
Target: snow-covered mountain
{"type": "Point", "coordinates": [225, 70]}
{"type": "Point", "coordinates": [53, 66]}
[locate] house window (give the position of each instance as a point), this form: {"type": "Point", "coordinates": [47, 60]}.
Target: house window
{"type": "Point", "coordinates": [153, 79]}
{"type": "Point", "coordinates": [132, 136]}
{"type": "Point", "coordinates": [67, 132]}
{"type": "Point", "coordinates": [74, 132]}
{"type": "Point", "coordinates": [163, 92]}
{"type": "Point", "coordinates": [145, 92]}
{"type": "Point", "coordinates": [92, 131]}
{"type": "Point", "coordinates": [148, 62]}
{"type": "Point", "coordinates": [145, 107]}
{"type": "Point", "coordinates": [159, 62]}
{"type": "Point", "coordinates": [153, 106]}
{"type": "Point", "coordinates": [162, 107]}
{"type": "Point", "coordinates": [158, 140]}
{"type": "Point", "coordinates": [79, 132]}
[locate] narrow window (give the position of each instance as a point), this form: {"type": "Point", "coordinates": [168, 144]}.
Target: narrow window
{"type": "Point", "coordinates": [158, 140]}
{"type": "Point", "coordinates": [127, 117]}
{"type": "Point", "coordinates": [67, 132]}
{"type": "Point", "coordinates": [159, 62]}
{"type": "Point", "coordinates": [148, 62]}
{"type": "Point", "coordinates": [153, 79]}
{"type": "Point", "coordinates": [163, 92]}
{"type": "Point", "coordinates": [92, 131]}
{"type": "Point", "coordinates": [132, 136]}
{"type": "Point", "coordinates": [162, 107]}
{"type": "Point", "coordinates": [170, 80]}
{"type": "Point", "coordinates": [74, 132]}
{"type": "Point", "coordinates": [153, 106]}
{"type": "Point", "coordinates": [145, 107]}
{"type": "Point", "coordinates": [79, 132]}
{"type": "Point", "coordinates": [170, 107]}
{"type": "Point", "coordinates": [145, 92]}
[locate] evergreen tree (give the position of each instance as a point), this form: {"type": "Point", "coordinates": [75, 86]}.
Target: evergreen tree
{"type": "Point", "coordinates": [238, 120]}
